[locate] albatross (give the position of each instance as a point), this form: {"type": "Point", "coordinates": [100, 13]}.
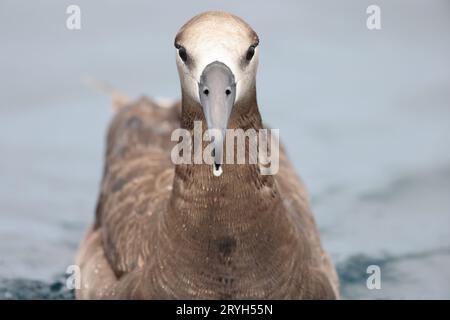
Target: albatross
{"type": "Point", "coordinates": [196, 231]}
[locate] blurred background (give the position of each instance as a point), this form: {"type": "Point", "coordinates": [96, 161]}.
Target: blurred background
{"type": "Point", "coordinates": [364, 115]}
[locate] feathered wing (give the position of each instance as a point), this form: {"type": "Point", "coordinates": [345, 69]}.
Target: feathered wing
{"type": "Point", "coordinates": [296, 201]}
{"type": "Point", "coordinates": [136, 185]}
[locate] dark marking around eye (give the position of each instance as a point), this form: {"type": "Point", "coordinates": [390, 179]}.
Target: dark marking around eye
{"type": "Point", "coordinates": [181, 52]}
{"type": "Point", "coordinates": [250, 52]}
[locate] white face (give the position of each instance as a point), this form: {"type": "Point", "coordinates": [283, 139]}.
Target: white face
{"type": "Point", "coordinates": [221, 38]}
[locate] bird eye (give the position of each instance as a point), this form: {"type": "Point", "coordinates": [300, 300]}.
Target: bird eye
{"type": "Point", "coordinates": [181, 52]}
{"type": "Point", "coordinates": [250, 52]}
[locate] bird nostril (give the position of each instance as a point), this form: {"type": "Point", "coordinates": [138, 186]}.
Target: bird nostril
{"type": "Point", "coordinates": [228, 92]}
{"type": "Point", "coordinates": [206, 91]}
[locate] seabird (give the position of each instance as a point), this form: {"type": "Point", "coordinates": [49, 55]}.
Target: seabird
{"type": "Point", "coordinates": [196, 231]}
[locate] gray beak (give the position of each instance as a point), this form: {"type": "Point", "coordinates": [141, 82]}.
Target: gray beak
{"type": "Point", "coordinates": [217, 90]}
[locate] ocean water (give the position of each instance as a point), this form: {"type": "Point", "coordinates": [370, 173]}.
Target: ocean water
{"type": "Point", "coordinates": [364, 115]}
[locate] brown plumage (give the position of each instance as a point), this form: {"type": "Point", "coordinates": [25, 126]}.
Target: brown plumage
{"type": "Point", "coordinates": [163, 231]}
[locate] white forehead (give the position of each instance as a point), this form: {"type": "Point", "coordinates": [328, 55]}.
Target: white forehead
{"type": "Point", "coordinates": [217, 36]}
{"type": "Point", "coordinates": [216, 27]}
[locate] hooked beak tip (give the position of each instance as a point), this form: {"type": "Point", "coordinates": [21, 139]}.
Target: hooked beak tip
{"type": "Point", "coordinates": [217, 171]}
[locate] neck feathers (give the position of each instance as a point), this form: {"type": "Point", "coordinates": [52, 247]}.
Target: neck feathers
{"type": "Point", "coordinates": [195, 184]}
{"type": "Point", "coordinates": [241, 188]}
{"type": "Point", "coordinates": [232, 225]}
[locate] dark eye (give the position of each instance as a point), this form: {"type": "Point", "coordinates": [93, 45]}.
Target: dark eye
{"type": "Point", "coordinates": [250, 53]}
{"type": "Point", "coordinates": [182, 52]}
